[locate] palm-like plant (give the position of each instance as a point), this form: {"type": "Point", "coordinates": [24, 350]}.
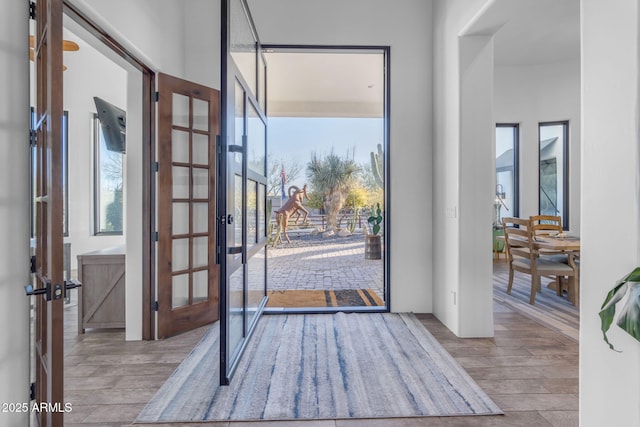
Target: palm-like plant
{"type": "Point", "coordinates": [332, 176]}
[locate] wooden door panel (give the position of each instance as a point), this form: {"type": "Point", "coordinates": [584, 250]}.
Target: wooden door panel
{"type": "Point", "coordinates": [49, 211]}
{"type": "Point", "coordinates": [188, 277]}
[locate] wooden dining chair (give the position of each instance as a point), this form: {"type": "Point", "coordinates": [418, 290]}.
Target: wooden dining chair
{"type": "Point", "coordinates": [524, 257]}
{"type": "Point", "coordinates": [546, 224]}
{"type": "Point", "coordinates": [549, 225]}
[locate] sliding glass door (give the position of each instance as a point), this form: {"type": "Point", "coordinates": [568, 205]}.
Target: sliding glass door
{"type": "Point", "coordinates": [242, 196]}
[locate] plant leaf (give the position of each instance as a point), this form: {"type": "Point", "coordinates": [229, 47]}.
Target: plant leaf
{"type": "Point", "coordinates": [608, 311]}
{"type": "Point", "coordinates": [634, 276]}
{"type": "Point", "coordinates": [629, 319]}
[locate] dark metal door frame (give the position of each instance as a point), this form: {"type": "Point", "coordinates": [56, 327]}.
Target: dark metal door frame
{"type": "Point", "coordinates": [234, 258]}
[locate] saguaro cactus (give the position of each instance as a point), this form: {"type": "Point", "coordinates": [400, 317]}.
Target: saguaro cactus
{"type": "Point", "coordinates": [377, 166]}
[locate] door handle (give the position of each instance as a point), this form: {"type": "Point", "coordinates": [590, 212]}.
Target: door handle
{"type": "Point", "coordinates": [226, 219]}
{"type": "Point", "coordinates": [58, 290]}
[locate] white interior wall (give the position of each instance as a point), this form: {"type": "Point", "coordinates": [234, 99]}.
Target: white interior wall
{"type": "Point", "coordinates": [202, 42]}
{"type": "Point", "coordinates": [610, 229]}
{"type": "Point", "coordinates": [154, 30]}
{"type": "Point", "coordinates": [405, 26]}
{"type": "Point", "coordinates": [88, 74]}
{"type": "Point", "coordinates": [532, 94]}
{"type": "Point", "coordinates": [473, 299]}
{"type": "Point", "coordinates": [14, 208]}
{"type": "Point", "coordinates": [449, 17]}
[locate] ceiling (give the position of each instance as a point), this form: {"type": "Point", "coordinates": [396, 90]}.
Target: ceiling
{"type": "Point", "coordinates": [526, 32]}
{"type": "Point", "coordinates": [325, 83]}
{"type": "Point", "coordinates": [536, 31]}
{"type": "Point", "coordinates": [339, 84]}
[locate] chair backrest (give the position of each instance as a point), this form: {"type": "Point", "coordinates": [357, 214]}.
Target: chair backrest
{"type": "Point", "coordinates": [518, 238]}
{"type": "Point", "coordinates": [545, 224]}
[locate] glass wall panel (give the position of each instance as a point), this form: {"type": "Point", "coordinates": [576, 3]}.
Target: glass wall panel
{"type": "Point", "coordinates": [180, 291]}
{"type": "Point", "coordinates": [339, 151]}
{"type": "Point", "coordinates": [262, 82]}
{"type": "Point", "coordinates": [238, 214]}
{"type": "Point", "coordinates": [252, 232]}
{"type": "Point", "coordinates": [239, 122]}
{"type": "Point", "coordinates": [180, 255]}
{"type": "Point", "coordinates": [256, 142]}
{"type": "Point", "coordinates": [200, 114]}
{"type": "Point", "coordinates": [179, 146]}
{"type": "Point", "coordinates": [506, 200]}
{"type": "Point", "coordinates": [180, 220]}
{"type": "Point", "coordinates": [243, 44]}
{"type": "Point", "coordinates": [200, 286]}
{"type": "Point", "coordinates": [262, 228]}
{"type": "Point", "coordinates": [200, 217]}
{"type": "Point", "coordinates": [256, 283]}
{"type": "Point", "coordinates": [236, 310]}
{"type": "Point", "coordinates": [200, 183]}
{"type": "Point", "coordinates": [180, 182]}
{"type": "Point", "coordinates": [180, 110]}
{"type": "Point", "coordinates": [554, 170]}
{"type": "Point", "coordinates": [200, 149]}
{"type": "Point", "coordinates": [200, 252]}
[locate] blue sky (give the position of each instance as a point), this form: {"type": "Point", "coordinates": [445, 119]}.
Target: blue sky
{"type": "Point", "coordinates": [296, 138]}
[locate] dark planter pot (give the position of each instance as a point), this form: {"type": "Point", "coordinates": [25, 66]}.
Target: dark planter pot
{"type": "Point", "coordinates": [372, 247]}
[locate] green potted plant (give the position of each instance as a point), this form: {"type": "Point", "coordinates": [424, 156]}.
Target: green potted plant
{"type": "Point", "coordinates": [373, 241]}
{"type": "Point", "coordinates": [629, 316]}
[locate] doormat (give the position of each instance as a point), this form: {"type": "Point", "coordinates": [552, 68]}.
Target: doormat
{"type": "Point", "coordinates": [318, 298]}
{"type": "Point", "coordinates": [322, 366]}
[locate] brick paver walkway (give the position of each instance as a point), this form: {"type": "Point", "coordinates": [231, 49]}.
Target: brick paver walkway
{"type": "Point", "coordinates": [331, 263]}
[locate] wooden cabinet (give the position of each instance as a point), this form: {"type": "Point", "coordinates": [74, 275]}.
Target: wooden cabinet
{"type": "Point", "coordinates": [102, 295]}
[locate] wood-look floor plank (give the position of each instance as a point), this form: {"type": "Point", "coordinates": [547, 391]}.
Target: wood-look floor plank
{"type": "Point", "coordinates": [530, 370]}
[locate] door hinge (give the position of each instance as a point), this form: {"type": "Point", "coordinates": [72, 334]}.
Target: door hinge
{"type": "Point", "coordinates": [32, 138]}
{"type": "Point", "coordinates": [156, 236]}
{"type": "Point", "coordinates": [218, 145]}
{"type": "Point", "coordinates": [155, 167]}
{"type": "Point", "coordinates": [32, 261]}
{"type": "Point", "coordinates": [156, 96]}
{"type": "Point", "coordinates": [32, 391]}
{"type": "Point", "coordinates": [155, 306]}
{"type": "Point", "coordinates": [32, 10]}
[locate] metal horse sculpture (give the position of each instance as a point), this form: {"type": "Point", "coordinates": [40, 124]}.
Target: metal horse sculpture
{"type": "Point", "coordinates": [292, 206]}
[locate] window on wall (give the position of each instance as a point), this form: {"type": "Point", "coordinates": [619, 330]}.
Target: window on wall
{"type": "Point", "coordinates": [108, 185]}
{"type": "Point", "coordinates": [554, 170]}
{"type": "Point", "coordinates": [507, 194]}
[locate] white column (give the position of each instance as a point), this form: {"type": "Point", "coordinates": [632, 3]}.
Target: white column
{"type": "Point", "coordinates": [609, 381]}
{"type": "Point", "coordinates": [474, 299]}
{"type": "Point", "coordinates": [14, 209]}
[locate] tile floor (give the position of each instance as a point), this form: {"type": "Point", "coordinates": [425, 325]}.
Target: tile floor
{"type": "Point", "coordinates": [530, 371]}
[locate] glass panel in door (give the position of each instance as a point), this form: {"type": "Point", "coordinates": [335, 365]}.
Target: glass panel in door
{"type": "Point", "coordinates": [242, 197]}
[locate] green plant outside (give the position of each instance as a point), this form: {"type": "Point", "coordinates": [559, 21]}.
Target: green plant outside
{"type": "Point", "coordinates": [375, 220]}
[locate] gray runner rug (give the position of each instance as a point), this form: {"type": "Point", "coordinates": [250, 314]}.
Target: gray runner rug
{"type": "Point", "coordinates": [323, 366]}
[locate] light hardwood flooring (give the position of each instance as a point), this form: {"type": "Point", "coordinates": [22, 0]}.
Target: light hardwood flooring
{"type": "Point", "coordinates": [530, 371]}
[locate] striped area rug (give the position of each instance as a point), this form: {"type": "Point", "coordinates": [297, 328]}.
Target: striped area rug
{"type": "Point", "coordinates": [321, 366]}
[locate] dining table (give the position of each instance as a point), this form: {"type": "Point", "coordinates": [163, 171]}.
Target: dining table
{"type": "Point", "coordinates": [568, 245]}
